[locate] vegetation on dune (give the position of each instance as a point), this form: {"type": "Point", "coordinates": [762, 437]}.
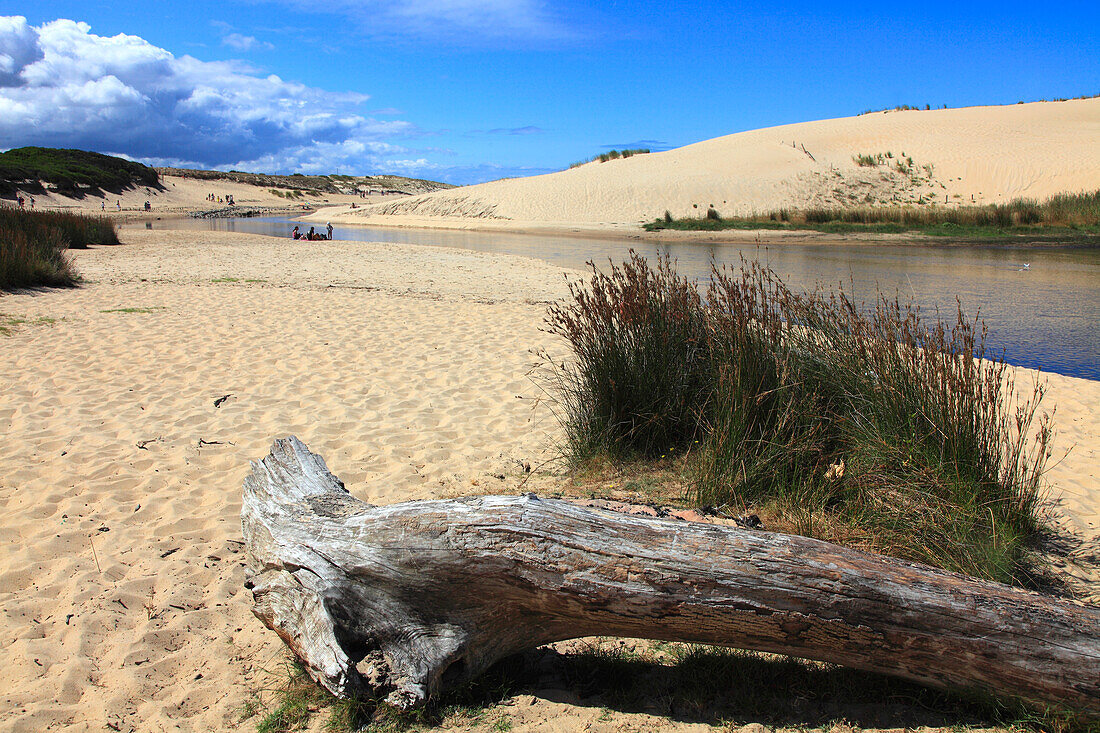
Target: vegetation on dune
{"type": "Point", "coordinates": [907, 108]}
{"type": "Point", "coordinates": [612, 155]}
{"type": "Point", "coordinates": [33, 244]}
{"type": "Point", "coordinates": [72, 173]}
{"type": "Point", "coordinates": [1065, 213]}
{"type": "Point", "coordinates": [871, 428]}
{"type": "Point", "coordinates": [298, 184]}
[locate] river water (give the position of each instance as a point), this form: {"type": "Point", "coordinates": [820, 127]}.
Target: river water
{"type": "Point", "coordinates": [1041, 304]}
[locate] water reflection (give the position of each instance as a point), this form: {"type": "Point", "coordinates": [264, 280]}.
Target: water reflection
{"type": "Point", "coordinates": [1046, 315]}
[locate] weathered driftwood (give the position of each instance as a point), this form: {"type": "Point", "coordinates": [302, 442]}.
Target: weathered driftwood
{"type": "Point", "coordinates": [401, 601]}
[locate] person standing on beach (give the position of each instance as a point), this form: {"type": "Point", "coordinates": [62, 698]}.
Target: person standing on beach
{"type": "Point", "coordinates": [329, 227]}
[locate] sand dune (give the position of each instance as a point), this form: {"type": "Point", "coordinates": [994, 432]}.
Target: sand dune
{"type": "Point", "coordinates": [959, 156]}
{"type": "Point", "coordinates": [180, 196]}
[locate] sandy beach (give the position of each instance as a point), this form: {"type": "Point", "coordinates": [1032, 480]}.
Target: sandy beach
{"type": "Point", "coordinates": [131, 407]}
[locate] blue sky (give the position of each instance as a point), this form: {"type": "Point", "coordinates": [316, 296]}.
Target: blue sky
{"type": "Point", "coordinates": [472, 90]}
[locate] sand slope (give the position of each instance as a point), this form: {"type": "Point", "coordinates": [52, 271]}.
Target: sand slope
{"type": "Point", "coordinates": [979, 154]}
{"type": "Point", "coordinates": [179, 196]}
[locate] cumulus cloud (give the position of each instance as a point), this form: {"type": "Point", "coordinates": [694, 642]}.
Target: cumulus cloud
{"type": "Point", "coordinates": [18, 49]}
{"type": "Point", "coordinates": [63, 86]}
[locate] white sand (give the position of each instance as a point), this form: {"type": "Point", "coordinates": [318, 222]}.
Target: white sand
{"type": "Point", "coordinates": [121, 598]}
{"type": "Point", "coordinates": [975, 154]}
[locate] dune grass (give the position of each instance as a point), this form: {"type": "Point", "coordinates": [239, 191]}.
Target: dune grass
{"type": "Point", "coordinates": [870, 427]}
{"type": "Point", "coordinates": [612, 155]}
{"type": "Point", "coordinates": [33, 244]}
{"type": "Point", "coordinates": [1068, 213]}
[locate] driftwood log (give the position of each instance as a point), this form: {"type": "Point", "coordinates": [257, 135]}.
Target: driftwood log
{"type": "Point", "coordinates": [401, 601]}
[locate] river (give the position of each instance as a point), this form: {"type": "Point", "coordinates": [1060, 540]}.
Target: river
{"type": "Point", "coordinates": [1041, 304]}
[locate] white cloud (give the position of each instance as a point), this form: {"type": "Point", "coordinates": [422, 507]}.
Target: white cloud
{"type": "Point", "coordinates": [18, 49]}
{"type": "Point", "coordinates": [470, 21]}
{"type": "Point", "coordinates": [461, 174]}
{"type": "Point", "coordinates": [63, 86]}
{"type": "Point", "coordinates": [241, 42]}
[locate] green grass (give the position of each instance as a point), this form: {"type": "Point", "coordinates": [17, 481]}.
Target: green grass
{"type": "Point", "coordinates": [686, 682]}
{"type": "Point", "coordinates": [9, 324]}
{"type": "Point", "coordinates": [73, 231]}
{"type": "Point", "coordinates": [299, 699]}
{"type": "Point", "coordinates": [144, 309]}
{"type": "Point", "coordinates": [1068, 215]}
{"type": "Point", "coordinates": [767, 390]}
{"type": "Point", "coordinates": [73, 173]}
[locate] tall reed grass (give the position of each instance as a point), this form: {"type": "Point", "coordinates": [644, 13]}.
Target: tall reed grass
{"type": "Point", "coordinates": [33, 244]}
{"type": "Point", "coordinates": [868, 426]}
{"type": "Point", "coordinates": [1068, 210]}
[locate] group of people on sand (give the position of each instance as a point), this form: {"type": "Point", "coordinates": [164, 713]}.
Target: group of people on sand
{"type": "Point", "coordinates": [311, 235]}
{"type": "Point", "coordinates": [23, 202]}
{"type": "Point", "coordinates": [227, 199]}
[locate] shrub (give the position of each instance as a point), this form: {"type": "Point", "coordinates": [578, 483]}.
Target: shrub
{"type": "Point", "coordinates": [876, 428]}
{"type": "Point", "coordinates": [33, 244]}
{"type": "Point", "coordinates": [868, 161]}
{"type": "Point", "coordinates": [639, 371]}
{"type": "Point", "coordinates": [33, 259]}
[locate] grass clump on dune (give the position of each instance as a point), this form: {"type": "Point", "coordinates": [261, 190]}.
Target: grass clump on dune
{"type": "Point", "coordinates": [33, 244]}
{"type": "Point", "coordinates": [873, 428]}
{"type": "Point", "coordinates": [612, 155]}
{"type": "Point", "coordinates": [1072, 213]}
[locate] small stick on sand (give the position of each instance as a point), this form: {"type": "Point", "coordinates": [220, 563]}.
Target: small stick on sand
{"type": "Point", "coordinates": [96, 557]}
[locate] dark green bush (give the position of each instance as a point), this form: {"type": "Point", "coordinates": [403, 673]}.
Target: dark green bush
{"type": "Point", "coordinates": [71, 172]}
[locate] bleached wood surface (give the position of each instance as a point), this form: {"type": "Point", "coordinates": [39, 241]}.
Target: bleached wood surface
{"type": "Point", "coordinates": [401, 601]}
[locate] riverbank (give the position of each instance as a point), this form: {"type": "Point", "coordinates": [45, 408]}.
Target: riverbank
{"type": "Point", "coordinates": [344, 215]}
{"type": "Point", "coordinates": [406, 367]}
{"type": "Point", "coordinates": [918, 160]}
